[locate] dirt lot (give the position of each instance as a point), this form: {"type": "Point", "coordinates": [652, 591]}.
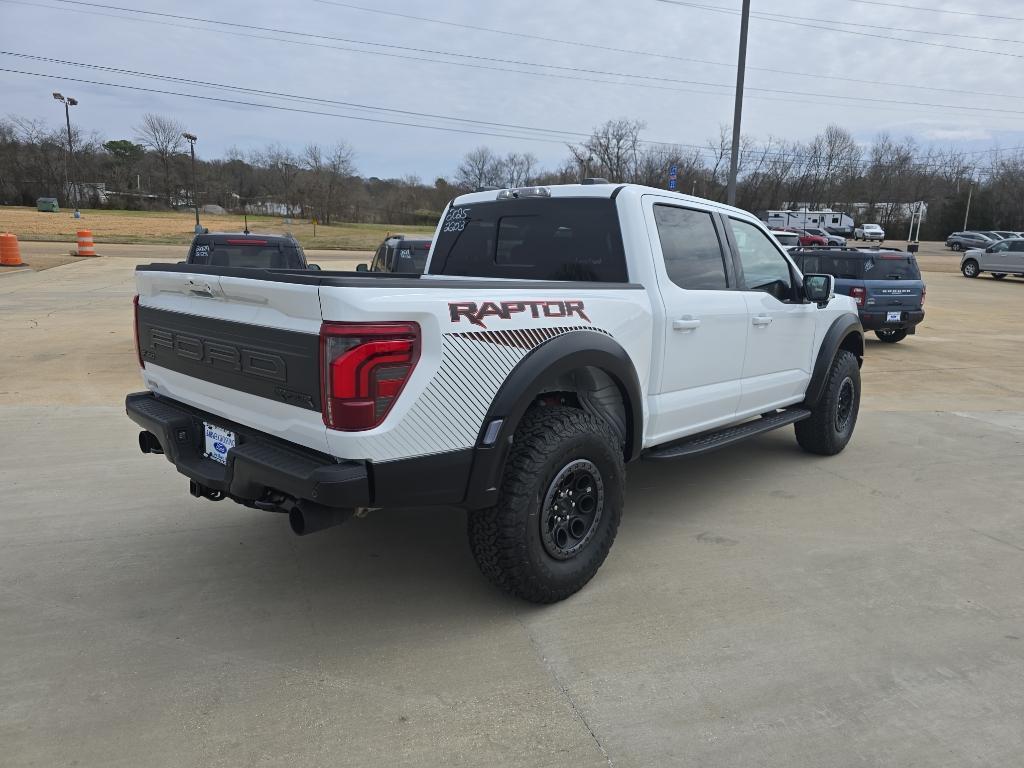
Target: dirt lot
{"type": "Point", "coordinates": [177, 227]}
{"type": "Point", "coordinates": [760, 607]}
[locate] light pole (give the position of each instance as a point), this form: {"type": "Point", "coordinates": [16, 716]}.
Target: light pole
{"type": "Point", "coordinates": [69, 164]}
{"type": "Point", "coordinates": [191, 139]}
{"type": "Point", "coordinates": [741, 68]}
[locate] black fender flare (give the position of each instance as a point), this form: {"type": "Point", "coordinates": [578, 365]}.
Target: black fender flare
{"type": "Point", "coordinates": [517, 393]}
{"type": "Point", "coordinates": [837, 337]}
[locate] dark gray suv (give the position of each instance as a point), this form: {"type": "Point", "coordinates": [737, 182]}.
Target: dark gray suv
{"type": "Point", "coordinates": [962, 241]}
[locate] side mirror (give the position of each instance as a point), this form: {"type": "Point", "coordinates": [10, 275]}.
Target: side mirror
{"type": "Point", "coordinates": [362, 268]}
{"type": "Point", "coordinates": [313, 266]}
{"type": "Point", "coordinates": [819, 288]}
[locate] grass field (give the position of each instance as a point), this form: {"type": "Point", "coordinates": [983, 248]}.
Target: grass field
{"type": "Point", "coordinates": [176, 228]}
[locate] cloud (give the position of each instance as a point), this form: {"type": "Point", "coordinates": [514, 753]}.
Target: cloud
{"type": "Point", "coordinates": [957, 134]}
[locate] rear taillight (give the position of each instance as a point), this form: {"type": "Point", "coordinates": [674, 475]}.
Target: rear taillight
{"type": "Point", "coordinates": [364, 368]}
{"type": "Point", "coordinates": [138, 344]}
{"type": "Point", "coordinates": [924, 292]}
{"type": "Point", "coordinates": [858, 294]}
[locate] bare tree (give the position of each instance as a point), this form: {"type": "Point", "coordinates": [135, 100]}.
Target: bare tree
{"type": "Point", "coordinates": [518, 169]}
{"type": "Point", "coordinates": [162, 136]}
{"type": "Point", "coordinates": [479, 168]}
{"type": "Point", "coordinates": [327, 170]}
{"type": "Point", "coordinates": [612, 151]}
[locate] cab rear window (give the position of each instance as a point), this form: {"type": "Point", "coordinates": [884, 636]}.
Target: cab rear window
{"type": "Point", "coordinates": [532, 239]}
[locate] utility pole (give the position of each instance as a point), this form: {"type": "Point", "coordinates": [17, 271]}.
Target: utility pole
{"type": "Point", "coordinates": [741, 68]}
{"type": "Point", "coordinates": [970, 194]}
{"type": "Point", "coordinates": [69, 164]}
{"type": "Point", "coordinates": [191, 139]}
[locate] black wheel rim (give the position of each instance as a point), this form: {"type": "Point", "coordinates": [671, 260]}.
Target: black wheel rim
{"type": "Point", "coordinates": [844, 405]}
{"type": "Point", "coordinates": [571, 509]}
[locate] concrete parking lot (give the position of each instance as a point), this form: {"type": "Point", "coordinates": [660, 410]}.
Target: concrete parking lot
{"type": "Point", "coordinates": [760, 607]}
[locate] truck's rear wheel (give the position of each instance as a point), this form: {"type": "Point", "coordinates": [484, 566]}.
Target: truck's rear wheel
{"type": "Point", "coordinates": [832, 420]}
{"type": "Point", "coordinates": [558, 509]}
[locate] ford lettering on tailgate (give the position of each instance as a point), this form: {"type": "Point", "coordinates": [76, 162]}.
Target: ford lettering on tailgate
{"type": "Point", "coordinates": [277, 364]}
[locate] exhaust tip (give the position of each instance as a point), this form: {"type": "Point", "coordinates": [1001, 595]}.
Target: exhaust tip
{"type": "Point", "coordinates": [148, 443]}
{"type": "Point", "coordinates": [297, 521]}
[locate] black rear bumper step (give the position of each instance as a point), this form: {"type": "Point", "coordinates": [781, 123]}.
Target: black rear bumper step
{"type": "Point", "coordinates": [712, 441]}
{"type": "Point", "coordinates": [256, 465]}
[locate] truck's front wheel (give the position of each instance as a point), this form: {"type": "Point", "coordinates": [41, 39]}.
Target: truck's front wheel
{"type": "Point", "coordinates": [832, 420]}
{"type": "Point", "coordinates": [558, 509]}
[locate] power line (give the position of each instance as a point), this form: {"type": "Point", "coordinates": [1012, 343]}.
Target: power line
{"type": "Point", "coordinates": [872, 35]}
{"type": "Point", "coordinates": [776, 94]}
{"type": "Point", "coordinates": [279, 107]}
{"type": "Point", "coordinates": [704, 152]}
{"type": "Point", "coordinates": [729, 64]}
{"type": "Point", "coordinates": [288, 96]}
{"type": "Point", "coordinates": [890, 28]}
{"type": "Point", "coordinates": [937, 10]}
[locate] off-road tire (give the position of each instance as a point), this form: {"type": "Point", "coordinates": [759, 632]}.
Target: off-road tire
{"type": "Point", "coordinates": [824, 433]}
{"type": "Point", "coordinates": [507, 540]}
{"type": "Point", "coordinates": [891, 336]}
{"type": "Point", "coordinates": [970, 268]}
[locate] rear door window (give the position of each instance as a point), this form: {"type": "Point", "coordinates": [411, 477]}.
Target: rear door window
{"type": "Point", "coordinates": [691, 248]}
{"type": "Point", "coordinates": [532, 239]}
{"type": "Point", "coordinates": [846, 267]}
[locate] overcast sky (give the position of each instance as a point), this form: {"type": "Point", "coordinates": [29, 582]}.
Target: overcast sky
{"type": "Point", "coordinates": [339, 53]}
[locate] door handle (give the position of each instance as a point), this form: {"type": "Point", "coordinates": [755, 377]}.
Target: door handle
{"type": "Point", "coordinates": [761, 320]}
{"type": "Point", "coordinates": [200, 289]}
{"type": "Point", "coordinates": [686, 323]}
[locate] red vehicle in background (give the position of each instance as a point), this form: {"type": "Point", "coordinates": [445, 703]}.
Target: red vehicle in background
{"type": "Point", "coordinates": [806, 238]}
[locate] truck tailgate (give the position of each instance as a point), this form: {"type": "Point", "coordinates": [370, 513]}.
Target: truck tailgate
{"type": "Point", "coordinates": [243, 349]}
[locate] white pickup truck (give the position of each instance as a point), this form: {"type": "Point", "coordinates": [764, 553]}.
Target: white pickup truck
{"type": "Point", "coordinates": [557, 334]}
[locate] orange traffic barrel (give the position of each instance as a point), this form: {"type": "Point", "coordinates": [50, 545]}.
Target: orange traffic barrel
{"type": "Point", "coordinates": [85, 244]}
{"type": "Point", "coordinates": [10, 251]}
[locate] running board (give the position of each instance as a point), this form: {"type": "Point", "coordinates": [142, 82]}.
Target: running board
{"type": "Point", "coordinates": [712, 441]}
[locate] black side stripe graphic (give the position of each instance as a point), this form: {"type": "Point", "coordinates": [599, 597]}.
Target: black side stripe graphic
{"type": "Point", "coordinates": [523, 338]}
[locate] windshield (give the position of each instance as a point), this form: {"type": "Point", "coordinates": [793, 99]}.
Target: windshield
{"type": "Point", "coordinates": [411, 256]}
{"type": "Point", "coordinates": [532, 239]}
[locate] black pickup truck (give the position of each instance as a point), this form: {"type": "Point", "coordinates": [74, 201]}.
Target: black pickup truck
{"type": "Point", "coordinates": [247, 249]}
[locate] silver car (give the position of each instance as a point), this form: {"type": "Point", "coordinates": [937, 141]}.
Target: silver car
{"type": "Point", "coordinates": [1003, 258]}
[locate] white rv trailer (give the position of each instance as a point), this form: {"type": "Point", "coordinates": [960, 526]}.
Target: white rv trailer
{"type": "Point", "coordinates": [833, 221]}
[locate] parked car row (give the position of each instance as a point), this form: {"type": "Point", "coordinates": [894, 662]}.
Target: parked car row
{"type": "Point", "coordinates": [962, 241]}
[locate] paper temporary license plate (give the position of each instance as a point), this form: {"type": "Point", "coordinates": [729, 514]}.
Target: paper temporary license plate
{"type": "Point", "coordinates": [217, 442]}
{"type": "Point", "coordinates": [893, 317]}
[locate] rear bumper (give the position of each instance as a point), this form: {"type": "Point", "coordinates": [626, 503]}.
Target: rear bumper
{"type": "Point", "coordinates": [261, 467]}
{"type": "Point", "coordinates": [256, 467]}
{"type": "Point", "coordinates": [872, 321]}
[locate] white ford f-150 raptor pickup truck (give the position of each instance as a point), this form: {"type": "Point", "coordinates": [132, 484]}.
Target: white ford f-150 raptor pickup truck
{"type": "Point", "coordinates": [557, 334]}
